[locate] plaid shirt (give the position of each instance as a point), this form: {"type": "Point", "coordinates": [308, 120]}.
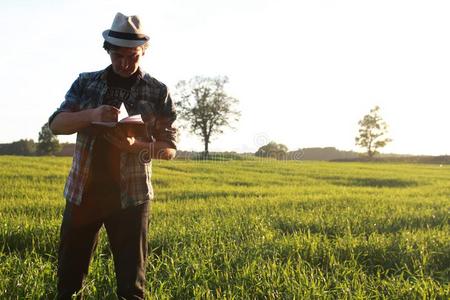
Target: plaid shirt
{"type": "Point", "coordinates": [147, 95]}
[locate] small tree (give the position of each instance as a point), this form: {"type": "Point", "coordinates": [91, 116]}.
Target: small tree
{"type": "Point", "coordinates": [272, 149]}
{"type": "Point", "coordinates": [48, 143]}
{"type": "Point", "coordinates": [206, 107]}
{"type": "Point", "coordinates": [23, 147]}
{"type": "Point", "coordinates": [372, 132]}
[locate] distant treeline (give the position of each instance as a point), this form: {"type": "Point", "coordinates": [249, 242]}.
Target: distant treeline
{"type": "Point", "coordinates": [413, 159]}
{"type": "Point", "coordinates": [27, 147]}
{"type": "Point", "coordinates": [21, 147]}
{"type": "Point", "coordinates": [327, 153]}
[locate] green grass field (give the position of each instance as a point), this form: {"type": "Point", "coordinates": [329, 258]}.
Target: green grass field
{"type": "Point", "coordinates": [249, 230]}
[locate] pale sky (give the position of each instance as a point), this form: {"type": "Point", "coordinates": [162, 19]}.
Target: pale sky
{"type": "Point", "coordinates": [305, 72]}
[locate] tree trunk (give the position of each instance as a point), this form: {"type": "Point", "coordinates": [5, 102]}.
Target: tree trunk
{"type": "Point", "coordinates": [370, 153]}
{"type": "Point", "coordinates": [206, 147]}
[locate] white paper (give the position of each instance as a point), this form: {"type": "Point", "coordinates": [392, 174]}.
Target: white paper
{"type": "Point", "coordinates": [123, 112]}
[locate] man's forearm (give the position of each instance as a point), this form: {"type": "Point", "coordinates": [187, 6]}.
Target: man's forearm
{"type": "Point", "coordinates": [71, 122]}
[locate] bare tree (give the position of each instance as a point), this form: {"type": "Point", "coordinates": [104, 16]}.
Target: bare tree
{"type": "Point", "coordinates": [372, 132]}
{"type": "Point", "coordinates": [205, 106]}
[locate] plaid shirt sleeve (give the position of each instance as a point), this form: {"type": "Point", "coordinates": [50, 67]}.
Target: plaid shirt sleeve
{"type": "Point", "coordinates": [164, 129]}
{"type": "Point", "coordinates": [72, 100]}
{"type": "Point", "coordinates": [78, 173]}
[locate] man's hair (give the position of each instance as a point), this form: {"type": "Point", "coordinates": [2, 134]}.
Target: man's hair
{"type": "Point", "coordinates": [108, 46]}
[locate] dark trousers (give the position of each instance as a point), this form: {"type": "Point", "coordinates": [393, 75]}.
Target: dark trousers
{"type": "Point", "coordinates": [127, 234]}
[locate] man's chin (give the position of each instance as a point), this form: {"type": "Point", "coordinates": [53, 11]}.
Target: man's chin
{"type": "Point", "coordinates": [124, 74]}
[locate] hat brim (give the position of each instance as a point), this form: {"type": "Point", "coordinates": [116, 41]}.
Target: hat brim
{"type": "Point", "coordinates": [123, 42]}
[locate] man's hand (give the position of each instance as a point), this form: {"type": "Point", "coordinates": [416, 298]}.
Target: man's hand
{"type": "Point", "coordinates": [104, 113]}
{"type": "Point", "coordinates": [126, 144]}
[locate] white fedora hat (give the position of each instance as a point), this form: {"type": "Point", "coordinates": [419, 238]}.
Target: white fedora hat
{"type": "Point", "coordinates": [126, 31]}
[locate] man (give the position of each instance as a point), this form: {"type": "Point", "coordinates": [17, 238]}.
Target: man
{"type": "Point", "coordinates": [109, 182]}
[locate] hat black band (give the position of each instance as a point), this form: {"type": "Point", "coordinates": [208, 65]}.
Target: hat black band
{"type": "Point", "coordinates": [128, 36]}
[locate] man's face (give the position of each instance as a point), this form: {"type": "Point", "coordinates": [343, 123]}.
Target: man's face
{"type": "Point", "coordinates": [125, 61]}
